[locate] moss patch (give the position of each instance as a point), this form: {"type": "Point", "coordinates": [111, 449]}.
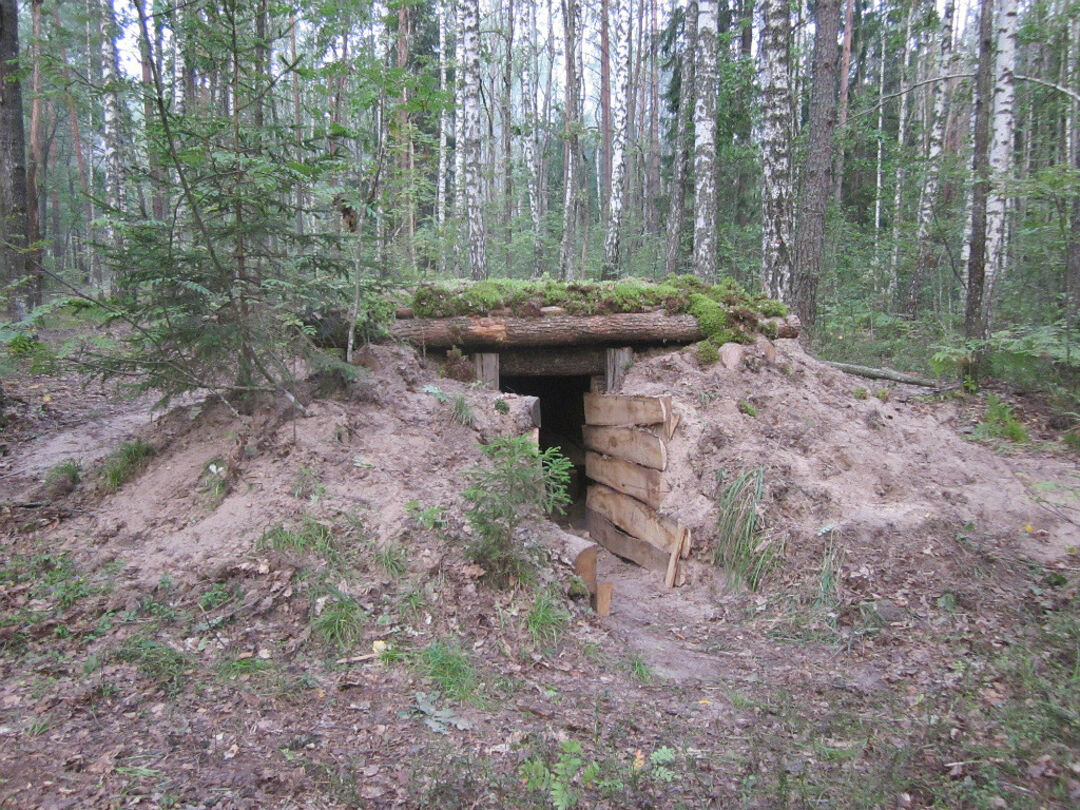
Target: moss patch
{"type": "Point", "coordinates": [725, 310]}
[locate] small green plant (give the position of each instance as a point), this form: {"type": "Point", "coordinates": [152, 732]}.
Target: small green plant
{"type": "Point", "coordinates": [999, 422]}
{"type": "Point", "coordinates": [557, 782]}
{"type": "Point", "coordinates": [883, 394]}
{"type": "Point", "coordinates": [68, 471]}
{"type": "Point", "coordinates": [860, 393]}
{"type": "Point", "coordinates": [339, 620]}
{"type": "Point", "coordinates": [501, 406]}
{"type": "Point", "coordinates": [436, 392]}
{"type": "Point", "coordinates": [217, 596]}
{"type": "Point", "coordinates": [310, 535]}
{"type": "Point", "coordinates": [216, 479]}
{"type": "Point", "coordinates": [428, 517]}
{"type": "Point", "coordinates": [747, 408]}
{"type": "Point", "coordinates": [123, 463]}
{"type": "Point", "coordinates": [393, 559]}
{"type": "Point", "coordinates": [740, 548]}
{"type": "Point", "coordinates": [244, 667]}
{"type": "Point", "coordinates": [638, 669]}
{"type": "Point", "coordinates": [38, 727]}
{"type": "Point", "coordinates": [463, 412]}
{"type": "Point", "coordinates": [707, 352]}
{"type": "Point", "coordinates": [521, 481]}
{"type": "Point", "coordinates": [156, 660]}
{"type": "Point", "coordinates": [306, 484]}
{"type": "Point", "coordinates": [547, 619]}
{"type": "Point", "coordinates": [449, 666]}
{"type": "Point", "coordinates": [660, 762]}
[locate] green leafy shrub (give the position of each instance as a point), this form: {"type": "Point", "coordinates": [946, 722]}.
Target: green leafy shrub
{"type": "Point", "coordinates": [707, 352]}
{"type": "Point", "coordinates": [521, 482]}
{"type": "Point", "coordinates": [999, 422]}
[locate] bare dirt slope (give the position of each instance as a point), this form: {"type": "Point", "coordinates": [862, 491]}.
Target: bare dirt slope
{"type": "Point", "coordinates": [160, 649]}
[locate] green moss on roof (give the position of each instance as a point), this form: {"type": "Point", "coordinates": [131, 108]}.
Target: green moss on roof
{"type": "Point", "coordinates": [725, 310]}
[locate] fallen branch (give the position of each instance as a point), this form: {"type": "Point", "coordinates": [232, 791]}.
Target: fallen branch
{"type": "Point", "coordinates": [883, 374]}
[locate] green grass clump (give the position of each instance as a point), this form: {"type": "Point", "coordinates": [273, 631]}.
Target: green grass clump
{"type": "Point", "coordinates": [309, 535]}
{"type": "Point", "coordinates": [340, 622]}
{"type": "Point", "coordinates": [999, 422]}
{"type": "Point", "coordinates": [747, 408]}
{"type": "Point", "coordinates": [707, 352]}
{"type": "Point", "coordinates": [740, 547]}
{"type": "Point", "coordinates": [123, 463]}
{"type": "Point", "coordinates": [392, 559]}
{"type": "Point", "coordinates": [69, 470]}
{"type": "Point", "coordinates": [860, 393]}
{"type": "Point", "coordinates": [449, 666]}
{"type": "Point", "coordinates": [547, 619]}
{"type": "Point", "coordinates": [157, 661]}
{"type": "Point", "coordinates": [463, 412]}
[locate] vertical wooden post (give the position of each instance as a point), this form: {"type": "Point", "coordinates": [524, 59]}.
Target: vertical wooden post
{"type": "Point", "coordinates": [618, 361]}
{"type": "Point", "coordinates": [487, 369]}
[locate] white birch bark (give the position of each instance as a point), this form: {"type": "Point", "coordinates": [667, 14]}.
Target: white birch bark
{"type": "Point", "coordinates": [879, 166]}
{"type": "Point", "coordinates": [621, 35]}
{"type": "Point", "coordinates": [928, 197]}
{"type": "Point", "coordinates": [459, 116]}
{"type": "Point", "coordinates": [898, 173]}
{"type": "Point", "coordinates": [705, 142]}
{"type": "Point", "coordinates": [530, 143]}
{"type": "Point", "coordinates": [110, 75]}
{"type": "Point", "coordinates": [470, 34]}
{"type": "Point", "coordinates": [777, 194]}
{"type": "Point", "coordinates": [1001, 151]}
{"type": "Point", "coordinates": [444, 125]}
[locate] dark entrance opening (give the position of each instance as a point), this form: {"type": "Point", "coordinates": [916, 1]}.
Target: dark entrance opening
{"type": "Point", "coordinates": [562, 413]}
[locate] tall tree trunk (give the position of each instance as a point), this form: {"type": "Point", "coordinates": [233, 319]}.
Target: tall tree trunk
{"type": "Point", "coordinates": [777, 194]}
{"type": "Point", "coordinates": [927, 247]}
{"type": "Point", "coordinates": [570, 265]}
{"type": "Point", "coordinates": [157, 179]}
{"type": "Point", "coordinates": [842, 109]}
{"type": "Point", "coordinates": [37, 156]}
{"type": "Point", "coordinates": [898, 174]}
{"type": "Point", "coordinates": [459, 116]}
{"type": "Point", "coordinates": [974, 325]}
{"type": "Point", "coordinates": [605, 106]}
{"type": "Point", "coordinates": [705, 142]}
{"type": "Point", "coordinates": [531, 145]}
{"type": "Point", "coordinates": [507, 125]}
{"type": "Point", "coordinates": [298, 121]}
{"type": "Point", "coordinates": [1001, 152]}
{"type": "Point", "coordinates": [879, 164]}
{"type": "Point", "coordinates": [815, 186]}
{"type": "Point", "coordinates": [1072, 250]}
{"type": "Point", "coordinates": [12, 157]}
{"type": "Point", "coordinates": [684, 129]}
{"type": "Point", "coordinates": [444, 124]}
{"type": "Point", "coordinates": [474, 203]}
{"type": "Point", "coordinates": [111, 124]}
{"type": "Point", "coordinates": [652, 167]}
{"type": "Point", "coordinates": [619, 138]}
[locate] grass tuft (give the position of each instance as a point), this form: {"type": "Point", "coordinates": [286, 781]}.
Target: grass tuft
{"type": "Point", "coordinates": [123, 463]}
{"type": "Point", "coordinates": [449, 666]}
{"type": "Point", "coordinates": [340, 621]}
{"type": "Point", "coordinates": [741, 547]}
{"type": "Point", "coordinates": [547, 619]}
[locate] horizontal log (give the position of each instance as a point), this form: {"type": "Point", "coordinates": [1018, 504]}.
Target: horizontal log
{"type": "Point", "coordinates": [628, 443]}
{"type": "Point", "coordinates": [643, 483]}
{"type": "Point", "coordinates": [618, 542]}
{"type": "Point", "coordinates": [575, 552]}
{"type": "Point", "coordinates": [635, 518]}
{"type": "Point", "coordinates": [883, 374]}
{"type": "Point", "coordinates": [626, 410]}
{"type": "Point", "coordinates": [564, 362]}
{"type": "Point", "coordinates": [476, 332]}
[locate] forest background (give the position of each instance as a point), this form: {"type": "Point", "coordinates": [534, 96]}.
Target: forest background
{"type": "Point", "coordinates": [906, 176]}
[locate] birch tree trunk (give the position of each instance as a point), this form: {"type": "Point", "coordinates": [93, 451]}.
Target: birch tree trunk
{"type": "Point", "coordinates": [444, 125]}
{"type": "Point", "coordinates": [684, 131]}
{"type": "Point", "coordinates": [114, 161]}
{"type": "Point", "coordinates": [474, 214]}
{"type": "Point", "coordinates": [705, 142]}
{"type": "Point", "coordinates": [1001, 152]}
{"type": "Point", "coordinates": [507, 124]}
{"type": "Point", "coordinates": [459, 114]}
{"type": "Point", "coordinates": [530, 142]}
{"type": "Point", "coordinates": [1072, 250]}
{"type": "Point", "coordinates": [974, 325]}
{"type": "Point", "coordinates": [777, 193]}
{"type": "Point", "coordinates": [569, 259]}
{"type": "Point", "coordinates": [815, 187]}
{"type": "Point", "coordinates": [619, 138]}
{"type": "Point", "coordinates": [927, 247]}
{"type": "Point", "coordinates": [898, 174]}
{"type": "Point", "coordinates": [12, 157]}
{"type": "Point", "coordinates": [604, 175]}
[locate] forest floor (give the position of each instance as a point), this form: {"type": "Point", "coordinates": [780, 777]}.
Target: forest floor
{"type": "Point", "coordinates": [275, 610]}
